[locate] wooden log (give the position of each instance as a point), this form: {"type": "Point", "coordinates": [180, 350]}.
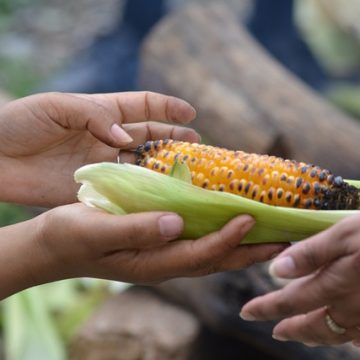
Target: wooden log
{"type": "Point", "coordinates": [245, 99]}
{"type": "Point", "coordinates": [136, 324]}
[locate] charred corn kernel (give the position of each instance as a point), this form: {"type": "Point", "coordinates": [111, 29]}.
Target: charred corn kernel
{"type": "Point", "coordinates": [264, 178]}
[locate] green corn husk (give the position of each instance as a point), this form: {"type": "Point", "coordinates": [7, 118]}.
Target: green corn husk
{"type": "Point", "coordinates": [126, 188]}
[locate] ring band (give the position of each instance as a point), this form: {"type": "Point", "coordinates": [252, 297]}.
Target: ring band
{"type": "Point", "coordinates": [332, 325]}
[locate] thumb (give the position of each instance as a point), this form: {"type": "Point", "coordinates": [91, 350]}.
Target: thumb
{"type": "Point", "coordinates": [134, 231]}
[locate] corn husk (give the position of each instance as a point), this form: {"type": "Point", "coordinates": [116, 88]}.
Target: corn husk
{"type": "Point", "coordinates": [126, 188]}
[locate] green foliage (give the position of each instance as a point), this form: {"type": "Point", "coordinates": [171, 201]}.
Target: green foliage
{"type": "Point", "coordinates": [38, 323]}
{"type": "Point", "coordinates": [11, 214]}
{"type": "Point", "coordinates": [15, 74]}
{"type": "Point", "coordinates": [16, 78]}
{"type": "Point", "coordinates": [9, 6]}
{"type": "Point", "coordinates": [347, 97]}
{"type": "Point", "coordinates": [334, 46]}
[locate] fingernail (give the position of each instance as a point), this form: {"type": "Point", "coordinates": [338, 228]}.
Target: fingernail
{"type": "Point", "coordinates": [248, 225]}
{"type": "Point", "coordinates": [171, 226]}
{"type": "Point", "coordinates": [356, 342]}
{"type": "Point", "coordinates": [282, 267]}
{"type": "Point", "coordinates": [279, 337]}
{"type": "Point", "coordinates": [120, 134]}
{"type": "Point", "coordinates": [246, 316]}
{"type": "Point", "coordinates": [310, 344]}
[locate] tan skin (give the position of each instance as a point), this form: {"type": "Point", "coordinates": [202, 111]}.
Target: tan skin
{"type": "Point", "coordinates": [43, 139]}
{"type": "Point", "coordinates": [324, 272]}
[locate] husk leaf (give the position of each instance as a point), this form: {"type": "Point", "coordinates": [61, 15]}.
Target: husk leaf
{"type": "Point", "coordinates": [126, 188]}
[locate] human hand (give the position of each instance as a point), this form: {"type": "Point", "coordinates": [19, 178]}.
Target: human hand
{"type": "Point", "coordinates": [44, 138]}
{"type": "Point", "coordinates": [77, 241]}
{"type": "Point", "coordinates": [325, 271]}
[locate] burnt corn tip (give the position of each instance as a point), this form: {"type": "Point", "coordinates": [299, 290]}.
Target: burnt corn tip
{"type": "Point", "coordinates": [264, 178]}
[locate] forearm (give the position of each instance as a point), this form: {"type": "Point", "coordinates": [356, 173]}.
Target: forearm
{"type": "Point", "coordinates": [22, 261]}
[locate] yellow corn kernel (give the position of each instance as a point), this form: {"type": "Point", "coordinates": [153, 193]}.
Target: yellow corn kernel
{"type": "Point", "coordinates": [263, 178]}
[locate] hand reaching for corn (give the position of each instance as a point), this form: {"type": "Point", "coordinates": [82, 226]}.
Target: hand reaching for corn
{"type": "Point", "coordinates": [324, 274]}
{"type": "Point", "coordinates": [44, 138]}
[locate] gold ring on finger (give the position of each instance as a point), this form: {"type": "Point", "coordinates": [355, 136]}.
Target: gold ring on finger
{"type": "Point", "coordinates": [332, 325]}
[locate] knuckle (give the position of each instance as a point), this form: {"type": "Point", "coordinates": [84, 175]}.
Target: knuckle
{"type": "Point", "coordinates": [309, 256]}
{"type": "Point", "coordinates": [345, 227]}
{"type": "Point", "coordinates": [147, 107]}
{"type": "Point", "coordinates": [195, 262]}
{"type": "Point", "coordinates": [139, 232]}
{"type": "Point", "coordinates": [224, 244]}
{"type": "Point", "coordinates": [167, 109]}
{"type": "Point", "coordinates": [283, 307]}
{"type": "Point", "coordinates": [332, 284]}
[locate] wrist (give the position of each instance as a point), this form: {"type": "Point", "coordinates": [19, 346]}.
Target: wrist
{"type": "Point", "coordinates": [23, 261]}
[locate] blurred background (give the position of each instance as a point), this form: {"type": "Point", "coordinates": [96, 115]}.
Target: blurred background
{"type": "Point", "coordinates": [270, 68]}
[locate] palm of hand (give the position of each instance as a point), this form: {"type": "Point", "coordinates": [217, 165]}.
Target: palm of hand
{"type": "Point", "coordinates": [45, 138]}
{"type": "Point", "coordinates": [46, 153]}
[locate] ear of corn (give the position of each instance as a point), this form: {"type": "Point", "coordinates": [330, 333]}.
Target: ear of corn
{"type": "Point", "coordinates": [125, 188]}
{"type": "Point", "coordinates": [263, 178]}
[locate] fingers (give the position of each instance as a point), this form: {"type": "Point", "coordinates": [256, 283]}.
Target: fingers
{"type": "Point", "coordinates": [145, 105]}
{"type": "Point", "coordinates": [299, 296]}
{"type": "Point", "coordinates": [308, 293]}
{"type": "Point", "coordinates": [247, 255]}
{"type": "Point", "coordinates": [105, 233]}
{"type": "Point", "coordinates": [189, 257]}
{"type": "Point", "coordinates": [102, 114]}
{"type": "Point", "coordinates": [81, 112]}
{"type": "Point", "coordinates": [142, 132]}
{"type": "Point", "coordinates": [311, 329]}
{"type": "Point", "coordinates": [145, 131]}
{"type": "Point", "coordinates": [311, 254]}
{"type": "Point", "coordinates": [356, 341]}
{"type": "Point", "coordinates": [276, 304]}
{"type": "Point", "coordinates": [202, 256]}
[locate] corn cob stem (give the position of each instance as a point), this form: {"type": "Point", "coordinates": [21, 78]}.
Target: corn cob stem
{"type": "Point", "coordinates": [263, 178]}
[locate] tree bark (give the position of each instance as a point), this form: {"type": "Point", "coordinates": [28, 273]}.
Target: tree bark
{"type": "Point", "coordinates": [245, 99]}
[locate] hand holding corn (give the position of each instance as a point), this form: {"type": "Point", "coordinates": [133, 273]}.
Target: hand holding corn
{"type": "Point", "coordinates": [324, 272]}
{"type": "Point", "coordinates": [77, 241]}
{"type": "Point", "coordinates": [44, 138]}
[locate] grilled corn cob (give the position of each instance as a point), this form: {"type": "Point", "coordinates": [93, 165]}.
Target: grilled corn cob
{"type": "Point", "coordinates": [268, 179]}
